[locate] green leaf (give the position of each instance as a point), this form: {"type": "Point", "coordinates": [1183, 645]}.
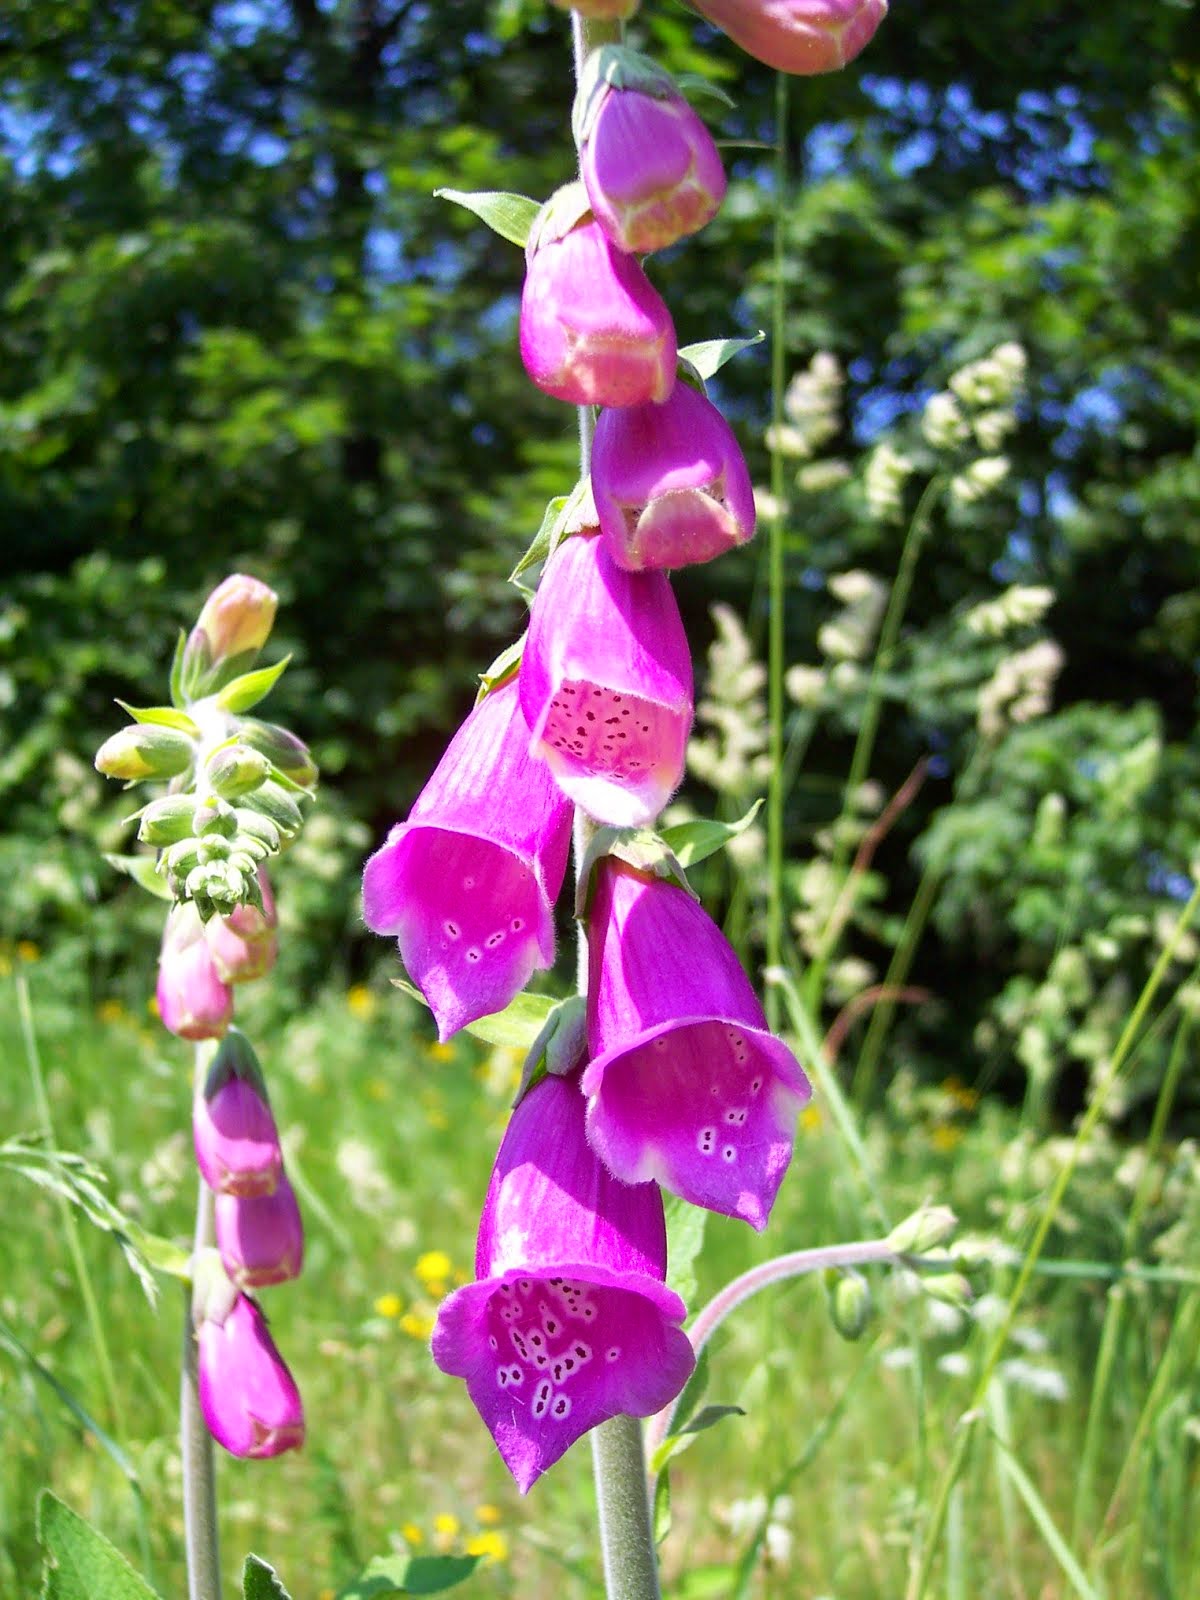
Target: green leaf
{"type": "Point", "coordinates": [695, 88]}
{"type": "Point", "coordinates": [246, 691]}
{"type": "Point", "coordinates": [685, 1239]}
{"type": "Point", "coordinates": [144, 872]}
{"type": "Point", "coordinates": [502, 667]}
{"type": "Point", "coordinates": [696, 841]}
{"type": "Point", "coordinates": [515, 1028]}
{"type": "Point", "coordinates": [539, 547]}
{"type": "Point", "coordinates": [390, 1575]}
{"type": "Point", "coordinates": [560, 1045]}
{"type": "Point", "coordinates": [261, 1582]}
{"type": "Point", "coordinates": [80, 1564]}
{"type": "Point", "coordinates": [176, 680]}
{"type": "Point", "coordinates": [10, 1342]}
{"type": "Point", "coordinates": [163, 1255]}
{"type": "Point", "coordinates": [708, 1417]}
{"type": "Point", "coordinates": [164, 716]}
{"type": "Point", "coordinates": [710, 355]}
{"type": "Point", "coordinates": [509, 215]}
{"type": "Point", "coordinates": [1044, 1522]}
{"type": "Point", "coordinates": [662, 1507]}
{"type": "Point", "coordinates": [637, 847]}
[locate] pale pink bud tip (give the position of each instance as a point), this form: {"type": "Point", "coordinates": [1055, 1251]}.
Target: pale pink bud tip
{"type": "Point", "coordinates": [651, 170]}
{"type": "Point", "coordinates": [670, 483]}
{"type": "Point", "coordinates": [243, 944]}
{"type": "Point", "coordinates": [237, 616]}
{"type": "Point", "coordinates": [193, 1001]}
{"type": "Point", "coordinates": [593, 330]}
{"type": "Point", "coordinates": [798, 36]}
{"type": "Point", "coordinates": [249, 1399]}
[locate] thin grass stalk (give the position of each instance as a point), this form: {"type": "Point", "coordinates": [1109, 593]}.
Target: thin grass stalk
{"type": "Point", "coordinates": [926, 1552]}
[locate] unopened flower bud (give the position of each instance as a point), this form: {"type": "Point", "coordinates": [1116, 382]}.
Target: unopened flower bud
{"type": "Point", "coordinates": [243, 944]}
{"type": "Point", "coordinates": [649, 164]}
{"type": "Point", "coordinates": [593, 330]}
{"type": "Point", "coordinates": [236, 1140]}
{"type": "Point", "coordinates": [849, 1303]}
{"type": "Point", "coordinates": [214, 819]}
{"type": "Point", "coordinates": [167, 821]}
{"type": "Point", "coordinates": [282, 749]}
{"type": "Point", "coordinates": [670, 483]}
{"type": "Point", "coordinates": [252, 825]}
{"type": "Point", "coordinates": [235, 770]}
{"type": "Point", "coordinates": [600, 10]}
{"type": "Point", "coordinates": [250, 1401]}
{"type": "Point", "coordinates": [926, 1229]}
{"type": "Point", "coordinates": [798, 36]}
{"type": "Point", "coordinates": [260, 1236]}
{"type": "Point", "coordinates": [235, 621]}
{"type": "Point", "coordinates": [192, 1000]}
{"type": "Point", "coordinates": [949, 1288]}
{"type": "Point", "coordinates": [274, 803]}
{"type": "Point", "coordinates": [145, 750]}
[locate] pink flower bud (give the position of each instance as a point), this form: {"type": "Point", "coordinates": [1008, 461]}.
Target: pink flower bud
{"type": "Point", "coordinates": [193, 1001]}
{"type": "Point", "coordinates": [649, 164]}
{"type": "Point", "coordinates": [237, 1143]}
{"type": "Point", "coordinates": [261, 1236]}
{"type": "Point", "coordinates": [798, 36]}
{"type": "Point", "coordinates": [243, 944]}
{"type": "Point", "coordinates": [670, 483]}
{"type": "Point", "coordinates": [593, 330]}
{"type": "Point", "coordinates": [237, 616]}
{"type": "Point", "coordinates": [250, 1401]}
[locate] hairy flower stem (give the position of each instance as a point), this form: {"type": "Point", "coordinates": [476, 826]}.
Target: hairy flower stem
{"type": "Point", "coordinates": [199, 1476]}
{"type": "Point", "coordinates": [776, 590]}
{"type": "Point", "coordinates": [618, 1459]}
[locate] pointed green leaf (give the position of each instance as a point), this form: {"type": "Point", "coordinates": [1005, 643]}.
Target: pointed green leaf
{"type": "Point", "coordinates": [246, 691]}
{"type": "Point", "coordinates": [685, 1240]}
{"type": "Point", "coordinates": [695, 88]}
{"type": "Point", "coordinates": [505, 664]}
{"type": "Point", "coordinates": [10, 1342]}
{"type": "Point", "coordinates": [261, 1582]}
{"type": "Point", "coordinates": [559, 1046]}
{"type": "Point", "coordinates": [163, 1255]}
{"type": "Point", "coordinates": [80, 1564]}
{"type": "Point", "coordinates": [696, 841]}
{"type": "Point", "coordinates": [709, 1417]}
{"type": "Point", "coordinates": [515, 1028]}
{"type": "Point", "coordinates": [391, 1575]}
{"type": "Point", "coordinates": [144, 872]}
{"type": "Point", "coordinates": [164, 716]}
{"type": "Point", "coordinates": [710, 355]}
{"type": "Point", "coordinates": [509, 215]}
{"type": "Point", "coordinates": [176, 680]}
{"type": "Point", "coordinates": [662, 1507]}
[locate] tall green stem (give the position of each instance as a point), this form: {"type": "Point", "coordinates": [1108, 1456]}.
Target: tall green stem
{"type": "Point", "coordinates": [196, 1449]}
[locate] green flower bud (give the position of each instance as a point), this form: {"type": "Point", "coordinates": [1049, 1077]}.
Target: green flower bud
{"type": "Point", "coordinates": [923, 1231]}
{"type": "Point", "coordinates": [167, 821]}
{"type": "Point", "coordinates": [951, 1288]}
{"type": "Point", "coordinates": [235, 770]}
{"type": "Point", "coordinates": [214, 816]}
{"type": "Point", "coordinates": [145, 750]}
{"type": "Point", "coordinates": [277, 805]}
{"type": "Point", "coordinates": [182, 857]}
{"type": "Point", "coordinates": [850, 1303]}
{"type": "Point", "coordinates": [253, 826]}
{"type": "Point", "coordinates": [213, 848]}
{"type": "Point", "coordinates": [282, 749]}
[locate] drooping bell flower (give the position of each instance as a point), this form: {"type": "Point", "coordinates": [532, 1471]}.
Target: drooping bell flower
{"type": "Point", "coordinates": [193, 1001]}
{"type": "Point", "coordinates": [467, 884]}
{"type": "Point", "coordinates": [249, 1399]}
{"type": "Point", "coordinates": [606, 683]}
{"type": "Point", "coordinates": [648, 163]}
{"type": "Point", "coordinates": [236, 1140]}
{"type": "Point", "coordinates": [243, 945]}
{"type": "Point", "coordinates": [670, 483]}
{"type": "Point", "coordinates": [803, 37]}
{"type": "Point", "coordinates": [685, 1084]}
{"type": "Point", "coordinates": [570, 1321]}
{"type": "Point", "coordinates": [593, 330]}
{"type": "Point", "coordinates": [260, 1236]}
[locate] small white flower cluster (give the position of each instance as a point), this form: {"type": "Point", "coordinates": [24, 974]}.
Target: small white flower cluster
{"type": "Point", "coordinates": [745, 1517]}
{"type": "Point", "coordinates": [851, 634]}
{"type": "Point", "coordinates": [979, 405]}
{"type": "Point", "coordinates": [1020, 689]}
{"type": "Point", "coordinates": [733, 758]}
{"type": "Point", "coordinates": [992, 381]}
{"type": "Point", "coordinates": [1020, 606]}
{"type": "Point", "coordinates": [976, 481]}
{"type": "Point", "coordinates": [883, 482]}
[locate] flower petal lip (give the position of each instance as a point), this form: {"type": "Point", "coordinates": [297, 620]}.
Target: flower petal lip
{"type": "Point", "coordinates": [802, 37]}
{"type": "Point", "coordinates": [670, 483]}
{"type": "Point", "coordinates": [606, 684]}
{"type": "Point", "coordinates": [593, 330]}
{"type": "Point", "coordinates": [467, 884]}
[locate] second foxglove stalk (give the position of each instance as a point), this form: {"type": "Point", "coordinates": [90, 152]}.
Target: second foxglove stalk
{"type": "Point", "coordinates": [467, 884]}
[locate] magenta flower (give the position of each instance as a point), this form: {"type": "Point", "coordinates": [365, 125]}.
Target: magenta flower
{"type": "Point", "coordinates": [260, 1236]}
{"type": "Point", "coordinates": [193, 1002]}
{"type": "Point", "coordinates": [570, 1322]}
{"type": "Point", "coordinates": [670, 483]}
{"type": "Point", "coordinates": [606, 683]}
{"type": "Point", "coordinates": [798, 36]}
{"type": "Point", "coordinates": [237, 1143]}
{"type": "Point", "coordinates": [468, 883]}
{"type": "Point", "coordinates": [243, 945]}
{"type": "Point", "coordinates": [685, 1084]}
{"type": "Point", "coordinates": [250, 1401]}
{"type": "Point", "coordinates": [650, 166]}
{"type": "Point", "coordinates": [593, 330]}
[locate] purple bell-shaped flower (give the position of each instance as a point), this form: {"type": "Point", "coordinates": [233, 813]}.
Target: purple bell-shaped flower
{"type": "Point", "coordinates": [249, 1399]}
{"type": "Point", "coordinates": [236, 1140]}
{"type": "Point", "coordinates": [570, 1322]}
{"type": "Point", "coordinates": [467, 884]}
{"type": "Point", "coordinates": [802, 37]}
{"type": "Point", "coordinates": [260, 1236]}
{"type": "Point", "coordinates": [193, 1002]}
{"type": "Point", "coordinates": [685, 1084]}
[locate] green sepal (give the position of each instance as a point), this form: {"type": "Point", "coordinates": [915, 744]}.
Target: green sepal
{"type": "Point", "coordinates": [176, 678]}
{"type": "Point", "coordinates": [501, 669]}
{"type": "Point", "coordinates": [270, 801]}
{"type": "Point", "coordinates": [235, 769]}
{"type": "Point", "coordinates": [708, 356]}
{"type": "Point", "coordinates": [164, 716]}
{"type": "Point", "coordinates": [695, 88]}
{"type": "Point", "coordinates": [559, 1047]}
{"type": "Point", "coordinates": [283, 750]}
{"type": "Point", "coordinates": [243, 693]}
{"type": "Point", "coordinates": [565, 515]}
{"type": "Point", "coordinates": [233, 1057]}
{"type": "Point", "coordinates": [510, 215]}
{"type": "Point", "coordinates": [144, 872]}
{"type": "Point", "coordinates": [214, 1294]}
{"type": "Point", "coordinates": [166, 821]}
{"type": "Point", "coordinates": [641, 848]}
{"type": "Point", "coordinates": [696, 841]}
{"type": "Point", "coordinates": [564, 210]}
{"type": "Point", "coordinates": [615, 66]}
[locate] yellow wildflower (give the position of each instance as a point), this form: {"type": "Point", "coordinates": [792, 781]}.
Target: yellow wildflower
{"type": "Point", "coordinates": [411, 1534]}
{"type": "Point", "coordinates": [492, 1545]}
{"type": "Point", "coordinates": [945, 1137]}
{"type": "Point", "coordinates": [27, 950]}
{"type": "Point", "coordinates": [488, 1515]}
{"type": "Point", "coordinates": [440, 1052]}
{"type": "Point", "coordinates": [445, 1529]}
{"type": "Point", "coordinates": [110, 1011]}
{"type": "Point", "coordinates": [389, 1305]}
{"type": "Point", "coordinates": [433, 1264]}
{"type": "Point", "coordinates": [810, 1118]}
{"type": "Point", "coordinates": [361, 1001]}
{"type": "Point", "coordinates": [417, 1324]}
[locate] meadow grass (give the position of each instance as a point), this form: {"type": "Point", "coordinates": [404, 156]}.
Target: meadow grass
{"type": "Point", "coordinates": [820, 1490]}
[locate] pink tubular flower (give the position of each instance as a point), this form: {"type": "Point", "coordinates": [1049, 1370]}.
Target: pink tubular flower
{"type": "Point", "coordinates": [468, 883]}
{"type": "Point", "coordinates": [803, 37]}
{"type": "Point", "coordinates": [237, 1143]}
{"type": "Point", "coordinates": [606, 683]}
{"type": "Point", "coordinates": [250, 1401]}
{"type": "Point", "coordinates": [670, 483]}
{"type": "Point", "coordinates": [570, 1322]}
{"type": "Point", "coordinates": [243, 944]}
{"type": "Point", "coordinates": [650, 167]}
{"type": "Point", "coordinates": [685, 1084]}
{"type": "Point", "coordinates": [193, 1002]}
{"type": "Point", "coordinates": [261, 1236]}
{"type": "Point", "coordinates": [593, 330]}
